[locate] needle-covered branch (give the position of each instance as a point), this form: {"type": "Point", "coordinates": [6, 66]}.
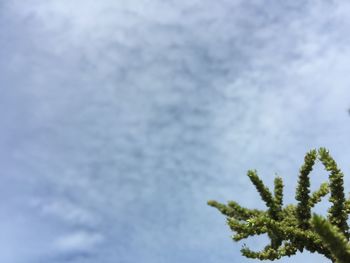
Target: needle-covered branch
{"type": "Point", "coordinates": [337, 212]}
{"type": "Point", "coordinates": [234, 210]}
{"type": "Point", "coordinates": [264, 192]}
{"type": "Point", "coordinates": [333, 239]}
{"type": "Point", "coordinates": [278, 191]}
{"type": "Point", "coordinates": [317, 195]}
{"type": "Point", "coordinates": [291, 228]}
{"type": "Point", "coordinates": [303, 190]}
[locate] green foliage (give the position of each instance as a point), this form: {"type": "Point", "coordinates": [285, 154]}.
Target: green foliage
{"type": "Point", "coordinates": [291, 228]}
{"type": "Point", "coordinates": [332, 238]}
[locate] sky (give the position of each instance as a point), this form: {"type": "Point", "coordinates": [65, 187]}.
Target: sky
{"type": "Point", "coordinates": [120, 119]}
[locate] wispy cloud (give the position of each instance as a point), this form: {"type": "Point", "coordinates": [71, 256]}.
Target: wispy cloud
{"type": "Point", "coordinates": [78, 241]}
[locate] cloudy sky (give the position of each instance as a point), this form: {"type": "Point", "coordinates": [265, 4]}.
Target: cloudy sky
{"type": "Point", "coordinates": [120, 119]}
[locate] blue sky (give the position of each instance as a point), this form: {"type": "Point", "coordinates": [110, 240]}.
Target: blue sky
{"type": "Point", "coordinates": [120, 119]}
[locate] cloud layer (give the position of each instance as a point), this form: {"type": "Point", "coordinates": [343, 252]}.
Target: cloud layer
{"type": "Point", "coordinates": [119, 120]}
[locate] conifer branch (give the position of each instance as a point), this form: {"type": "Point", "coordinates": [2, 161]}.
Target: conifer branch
{"type": "Point", "coordinates": [278, 191]}
{"type": "Point", "coordinates": [347, 206]}
{"type": "Point", "coordinates": [333, 239]}
{"type": "Point", "coordinates": [317, 195]}
{"type": "Point", "coordinates": [270, 253]}
{"type": "Point", "coordinates": [291, 228]}
{"type": "Point", "coordinates": [234, 210]}
{"type": "Point", "coordinates": [264, 192]}
{"type": "Point", "coordinates": [303, 191]}
{"type": "Point", "coordinates": [337, 212]}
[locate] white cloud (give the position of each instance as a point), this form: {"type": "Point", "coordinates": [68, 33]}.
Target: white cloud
{"type": "Point", "coordinates": [68, 212]}
{"type": "Point", "coordinates": [78, 241]}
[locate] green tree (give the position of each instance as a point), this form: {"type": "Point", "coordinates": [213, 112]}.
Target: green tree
{"type": "Point", "coordinates": [292, 228]}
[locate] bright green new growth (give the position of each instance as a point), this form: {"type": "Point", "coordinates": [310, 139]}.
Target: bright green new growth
{"type": "Point", "coordinates": [291, 228]}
